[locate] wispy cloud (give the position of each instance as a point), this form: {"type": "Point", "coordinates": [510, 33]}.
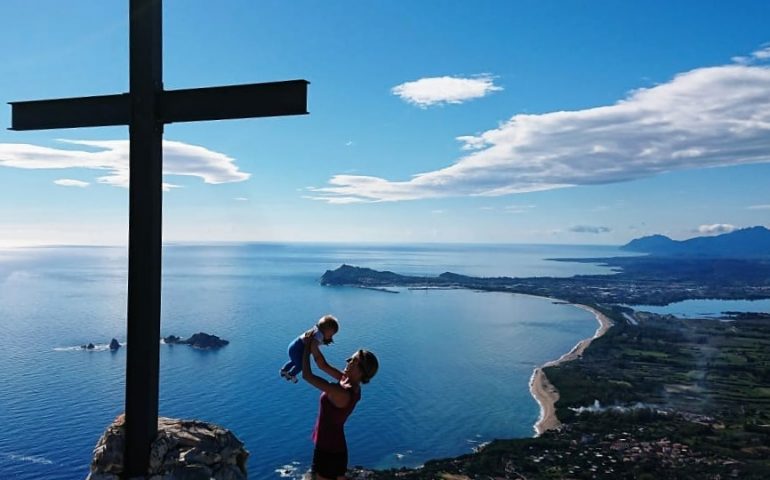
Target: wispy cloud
{"type": "Point", "coordinates": [759, 55]}
{"type": "Point", "coordinates": [111, 156]}
{"type": "Point", "coordinates": [68, 182]}
{"type": "Point", "coordinates": [427, 92]}
{"type": "Point", "coordinates": [518, 208]}
{"type": "Point", "coordinates": [716, 228]}
{"type": "Point", "coordinates": [763, 53]}
{"type": "Point", "coordinates": [241, 199]}
{"type": "Point", "coordinates": [758, 207]}
{"type": "Point", "coordinates": [589, 229]}
{"type": "Point", "coordinates": [708, 117]}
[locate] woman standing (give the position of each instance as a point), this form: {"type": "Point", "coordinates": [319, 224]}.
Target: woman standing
{"type": "Point", "coordinates": [330, 457]}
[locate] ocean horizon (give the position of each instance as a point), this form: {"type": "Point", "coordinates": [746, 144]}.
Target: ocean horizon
{"type": "Point", "coordinates": [455, 364]}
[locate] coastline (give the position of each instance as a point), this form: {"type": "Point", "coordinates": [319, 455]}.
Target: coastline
{"type": "Point", "coordinates": [544, 393]}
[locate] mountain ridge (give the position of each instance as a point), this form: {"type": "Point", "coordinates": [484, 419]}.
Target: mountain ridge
{"type": "Point", "coordinates": [746, 242]}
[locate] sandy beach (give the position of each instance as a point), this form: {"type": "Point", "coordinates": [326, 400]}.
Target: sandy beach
{"type": "Point", "coordinates": [544, 392]}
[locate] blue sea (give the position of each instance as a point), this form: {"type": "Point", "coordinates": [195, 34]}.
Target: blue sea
{"type": "Point", "coordinates": [455, 364]}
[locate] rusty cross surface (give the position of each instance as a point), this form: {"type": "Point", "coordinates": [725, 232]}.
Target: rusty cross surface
{"type": "Point", "coordinates": [146, 108]}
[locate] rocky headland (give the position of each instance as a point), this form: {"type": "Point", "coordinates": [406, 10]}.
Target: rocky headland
{"type": "Point", "coordinates": [642, 280]}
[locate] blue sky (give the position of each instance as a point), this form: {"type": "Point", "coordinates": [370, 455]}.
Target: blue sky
{"type": "Point", "coordinates": [525, 122]}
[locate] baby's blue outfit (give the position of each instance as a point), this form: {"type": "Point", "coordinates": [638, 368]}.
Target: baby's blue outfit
{"type": "Point", "coordinates": [296, 349]}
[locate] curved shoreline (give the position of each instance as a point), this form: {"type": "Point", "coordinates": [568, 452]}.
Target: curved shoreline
{"type": "Point", "coordinates": [544, 392]}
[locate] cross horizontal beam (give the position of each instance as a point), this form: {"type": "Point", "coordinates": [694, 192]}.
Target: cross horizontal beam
{"type": "Point", "coordinates": [237, 101]}
{"type": "Point", "coordinates": [187, 105]}
{"type": "Point", "coordinates": [100, 111]}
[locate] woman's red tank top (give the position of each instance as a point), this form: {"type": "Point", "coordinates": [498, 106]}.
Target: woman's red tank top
{"type": "Point", "coordinates": [329, 431]}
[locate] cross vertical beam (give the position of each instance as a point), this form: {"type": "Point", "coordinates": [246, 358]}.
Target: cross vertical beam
{"type": "Point", "coordinates": [145, 109]}
{"type": "Point", "coordinates": [145, 234]}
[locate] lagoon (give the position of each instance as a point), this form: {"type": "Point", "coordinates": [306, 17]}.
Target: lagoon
{"type": "Point", "coordinates": [708, 308]}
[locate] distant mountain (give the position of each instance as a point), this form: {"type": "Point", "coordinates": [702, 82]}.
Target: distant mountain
{"type": "Point", "coordinates": [747, 242]}
{"type": "Point", "coordinates": [652, 243]}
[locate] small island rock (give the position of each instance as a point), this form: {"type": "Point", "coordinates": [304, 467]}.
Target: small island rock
{"type": "Point", "coordinates": [114, 345]}
{"type": "Point", "coordinates": [200, 340]}
{"type": "Point", "coordinates": [206, 341]}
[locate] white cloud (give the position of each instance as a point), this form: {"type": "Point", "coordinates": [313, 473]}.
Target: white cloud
{"type": "Point", "coordinates": [716, 228]}
{"type": "Point", "coordinates": [241, 199]}
{"type": "Point", "coordinates": [758, 207]}
{"type": "Point", "coordinates": [589, 229]}
{"type": "Point", "coordinates": [68, 182]}
{"type": "Point", "coordinates": [112, 156]}
{"type": "Point", "coordinates": [426, 92]}
{"type": "Point", "coordinates": [708, 117]}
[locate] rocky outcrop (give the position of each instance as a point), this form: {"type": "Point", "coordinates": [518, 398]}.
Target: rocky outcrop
{"type": "Point", "coordinates": [366, 277]}
{"type": "Point", "coordinates": [114, 345]}
{"type": "Point", "coordinates": [200, 340]}
{"type": "Point", "coordinates": [183, 449]}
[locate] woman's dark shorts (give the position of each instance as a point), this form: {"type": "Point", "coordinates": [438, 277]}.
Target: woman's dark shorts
{"type": "Point", "coordinates": [328, 464]}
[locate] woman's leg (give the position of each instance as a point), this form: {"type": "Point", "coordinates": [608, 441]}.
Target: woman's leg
{"type": "Point", "coordinates": [315, 476]}
{"type": "Point", "coordinates": [334, 465]}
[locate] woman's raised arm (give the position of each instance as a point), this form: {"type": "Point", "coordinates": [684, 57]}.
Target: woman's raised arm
{"type": "Point", "coordinates": [338, 395]}
{"type": "Point", "coordinates": [320, 360]}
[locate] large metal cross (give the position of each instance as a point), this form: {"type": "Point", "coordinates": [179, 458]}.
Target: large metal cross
{"type": "Point", "coordinates": [145, 109]}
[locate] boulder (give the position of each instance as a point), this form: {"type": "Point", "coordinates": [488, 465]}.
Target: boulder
{"type": "Point", "coordinates": [114, 345]}
{"type": "Point", "coordinates": [183, 449]}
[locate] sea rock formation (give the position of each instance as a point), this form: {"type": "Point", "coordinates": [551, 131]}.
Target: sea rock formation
{"type": "Point", "coordinates": [183, 449]}
{"type": "Point", "coordinates": [200, 340]}
{"type": "Point", "coordinates": [114, 345]}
